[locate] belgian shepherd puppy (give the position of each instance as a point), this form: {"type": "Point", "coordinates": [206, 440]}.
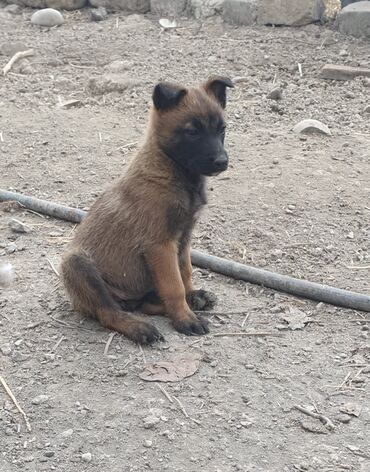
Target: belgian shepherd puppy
{"type": "Point", "coordinates": [132, 251]}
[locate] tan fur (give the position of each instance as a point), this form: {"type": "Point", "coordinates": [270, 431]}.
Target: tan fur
{"type": "Point", "coordinates": [124, 242]}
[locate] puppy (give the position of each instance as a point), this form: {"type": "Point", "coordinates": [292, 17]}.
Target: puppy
{"type": "Point", "coordinates": [132, 251]}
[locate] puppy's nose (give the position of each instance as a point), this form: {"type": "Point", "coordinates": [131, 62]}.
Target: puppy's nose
{"type": "Point", "coordinates": [221, 163]}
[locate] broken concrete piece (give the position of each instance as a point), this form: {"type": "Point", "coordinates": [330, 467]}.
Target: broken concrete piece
{"type": "Point", "coordinates": [311, 126]}
{"type": "Point", "coordinates": [337, 72]}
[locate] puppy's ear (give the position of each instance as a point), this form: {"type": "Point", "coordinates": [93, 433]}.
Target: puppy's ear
{"type": "Point", "coordinates": [216, 86]}
{"type": "Point", "coordinates": [166, 96]}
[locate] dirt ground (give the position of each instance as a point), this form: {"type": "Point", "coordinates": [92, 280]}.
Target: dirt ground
{"type": "Point", "coordinates": [298, 205]}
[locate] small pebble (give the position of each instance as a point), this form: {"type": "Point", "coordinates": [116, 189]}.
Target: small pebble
{"type": "Point", "coordinates": [349, 94]}
{"type": "Point", "coordinates": [10, 248]}
{"type": "Point", "coordinates": [6, 349]}
{"type": "Point", "coordinates": [343, 418]}
{"type": "Point", "coordinates": [150, 422]}
{"type": "Point", "coordinates": [17, 226]}
{"type": "Point", "coordinates": [275, 94]}
{"type": "Point", "coordinates": [39, 399]}
{"type": "Point", "coordinates": [49, 453]}
{"type": "Point", "coordinates": [148, 443]}
{"type": "Point", "coordinates": [47, 17]}
{"type": "Point", "coordinates": [98, 14]}
{"type": "Point", "coordinates": [87, 457]}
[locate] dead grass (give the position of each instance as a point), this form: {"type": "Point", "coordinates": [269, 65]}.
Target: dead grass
{"type": "Point", "coordinates": [332, 7]}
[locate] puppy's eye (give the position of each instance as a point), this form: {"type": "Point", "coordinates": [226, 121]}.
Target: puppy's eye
{"type": "Point", "coordinates": [192, 131]}
{"type": "Point", "coordinates": [222, 129]}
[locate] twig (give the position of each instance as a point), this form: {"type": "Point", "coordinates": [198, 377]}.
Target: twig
{"type": "Point", "coordinates": [14, 400]}
{"type": "Point", "coordinates": [70, 325]}
{"type": "Point", "coordinates": [245, 319]}
{"type": "Point", "coordinates": [181, 406]}
{"type": "Point", "coordinates": [300, 69]}
{"type": "Point", "coordinates": [34, 325]}
{"type": "Point", "coordinates": [142, 353]}
{"type": "Point", "coordinates": [362, 320]}
{"type": "Point", "coordinates": [324, 420]}
{"type": "Point", "coordinates": [243, 333]}
{"type": "Point", "coordinates": [128, 145]}
{"type": "Point", "coordinates": [100, 138]}
{"type": "Point", "coordinates": [219, 313]}
{"type": "Point", "coordinates": [16, 57]}
{"type": "Point", "coordinates": [53, 267]}
{"type": "Point", "coordinates": [108, 343]}
{"type": "Point", "coordinates": [165, 393]}
{"type": "Point", "coordinates": [1, 137]}
{"type": "Point", "coordinates": [358, 267]}
{"type": "Point", "coordinates": [56, 345]}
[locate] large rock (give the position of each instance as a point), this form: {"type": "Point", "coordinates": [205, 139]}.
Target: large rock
{"type": "Point", "coordinates": [47, 17]}
{"type": "Point", "coordinates": [56, 4]}
{"type": "Point", "coordinates": [136, 6]}
{"type": "Point", "coordinates": [289, 12]}
{"type": "Point", "coordinates": [240, 12]}
{"type": "Point", "coordinates": [355, 19]}
{"type": "Point", "coordinates": [168, 8]}
{"type": "Point", "coordinates": [204, 8]}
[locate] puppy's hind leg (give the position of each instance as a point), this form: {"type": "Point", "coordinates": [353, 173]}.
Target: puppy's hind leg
{"type": "Point", "coordinates": [89, 294]}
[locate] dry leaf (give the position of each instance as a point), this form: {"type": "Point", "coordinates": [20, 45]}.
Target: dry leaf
{"type": "Point", "coordinates": [296, 319]}
{"type": "Point", "coordinates": [351, 409]}
{"type": "Point", "coordinates": [175, 370]}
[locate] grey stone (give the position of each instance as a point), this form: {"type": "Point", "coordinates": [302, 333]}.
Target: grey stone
{"type": "Point", "coordinates": [10, 248]}
{"type": "Point", "coordinates": [13, 9]}
{"type": "Point", "coordinates": [289, 12]}
{"type": "Point", "coordinates": [355, 19]}
{"type": "Point", "coordinates": [5, 349]}
{"type": "Point", "coordinates": [135, 6]}
{"type": "Point", "coordinates": [87, 457]}
{"type": "Point", "coordinates": [39, 399]}
{"type": "Point", "coordinates": [9, 49]}
{"type": "Point", "coordinates": [151, 421]}
{"type": "Point", "coordinates": [56, 4]}
{"type": "Point", "coordinates": [47, 17]}
{"type": "Point", "coordinates": [99, 14]}
{"type": "Point", "coordinates": [204, 8]}
{"type": "Point", "coordinates": [240, 12]}
{"type": "Point", "coordinates": [275, 94]}
{"type": "Point", "coordinates": [344, 3]}
{"type": "Point", "coordinates": [367, 109]}
{"type": "Point", "coordinates": [311, 126]}
{"type": "Point", "coordinates": [168, 8]}
{"type": "Point", "coordinates": [17, 226]}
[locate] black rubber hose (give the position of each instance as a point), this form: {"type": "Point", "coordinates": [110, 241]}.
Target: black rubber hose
{"type": "Point", "coordinates": [283, 283]}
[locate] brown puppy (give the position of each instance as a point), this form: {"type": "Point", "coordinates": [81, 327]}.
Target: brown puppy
{"type": "Point", "coordinates": [132, 251]}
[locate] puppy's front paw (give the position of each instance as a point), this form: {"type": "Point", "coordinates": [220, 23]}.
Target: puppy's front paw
{"type": "Point", "coordinates": [191, 325]}
{"type": "Point", "coordinates": [201, 300]}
